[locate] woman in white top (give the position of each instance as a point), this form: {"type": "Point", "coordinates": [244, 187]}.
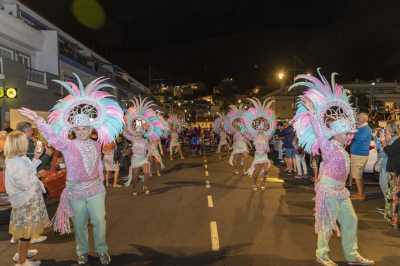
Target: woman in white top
{"type": "Point", "coordinates": [29, 216]}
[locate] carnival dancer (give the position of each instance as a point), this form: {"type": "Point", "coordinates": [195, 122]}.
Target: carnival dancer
{"type": "Point", "coordinates": [218, 127]}
{"type": "Point", "coordinates": [175, 124]}
{"type": "Point", "coordinates": [143, 126]}
{"type": "Point", "coordinates": [234, 125]}
{"type": "Point", "coordinates": [155, 155]}
{"type": "Point", "coordinates": [84, 110]}
{"type": "Point", "coordinates": [260, 126]}
{"type": "Point", "coordinates": [325, 121]}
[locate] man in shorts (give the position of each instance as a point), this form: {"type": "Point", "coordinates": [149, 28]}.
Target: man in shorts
{"type": "Point", "coordinates": [359, 150]}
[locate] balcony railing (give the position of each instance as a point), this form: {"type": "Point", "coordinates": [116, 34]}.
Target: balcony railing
{"type": "Point", "coordinates": [36, 76]}
{"type": "Point", "coordinates": [1, 66]}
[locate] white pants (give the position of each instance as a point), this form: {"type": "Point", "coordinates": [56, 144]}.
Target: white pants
{"type": "Point", "coordinates": [280, 150]}
{"type": "Point", "coordinates": [301, 165]}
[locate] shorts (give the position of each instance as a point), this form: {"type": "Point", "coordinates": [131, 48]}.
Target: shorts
{"type": "Point", "coordinates": [289, 152]}
{"type": "Point", "coordinates": [357, 165]}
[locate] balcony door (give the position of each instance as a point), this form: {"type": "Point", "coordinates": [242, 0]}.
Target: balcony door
{"type": "Point", "coordinates": [25, 60]}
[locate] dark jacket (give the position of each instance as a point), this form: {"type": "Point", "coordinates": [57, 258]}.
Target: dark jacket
{"type": "Point", "coordinates": [393, 153]}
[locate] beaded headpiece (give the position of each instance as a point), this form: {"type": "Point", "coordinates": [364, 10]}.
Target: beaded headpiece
{"type": "Point", "coordinates": [89, 107]}
{"type": "Point", "coordinates": [325, 105]}
{"type": "Point", "coordinates": [260, 117]}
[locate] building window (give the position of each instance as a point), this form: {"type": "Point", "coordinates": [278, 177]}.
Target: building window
{"type": "Point", "coordinates": [25, 60]}
{"type": "Point", "coordinates": [6, 53]}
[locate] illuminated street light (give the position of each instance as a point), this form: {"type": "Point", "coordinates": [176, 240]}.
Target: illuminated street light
{"type": "Point", "coordinates": [11, 93]}
{"type": "Point", "coordinates": [8, 93]}
{"type": "Point", "coordinates": [281, 75]}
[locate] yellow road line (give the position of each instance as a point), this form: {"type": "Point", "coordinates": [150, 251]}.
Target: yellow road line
{"type": "Point", "coordinates": [210, 201]}
{"type": "Point", "coordinates": [214, 236]}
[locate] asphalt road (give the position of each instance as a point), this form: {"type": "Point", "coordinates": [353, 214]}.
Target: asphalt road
{"type": "Point", "coordinates": [185, 223]}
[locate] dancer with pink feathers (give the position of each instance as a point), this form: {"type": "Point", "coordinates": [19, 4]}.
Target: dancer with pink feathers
{"type": "Point", "coordinates": [223, 144]}
{"type": "Point", "coordinates": [234, 125]}
{"type": "Point", "coordinates": [259, 121]}
{"type": "Point", "coordinates": [143, 127]}
{"type": "Point", "coordinates": [325, 121]}
{"type": "Point", "coordinates": [83, 110]}
{"type": "Point", "coordinates": [175, 124]}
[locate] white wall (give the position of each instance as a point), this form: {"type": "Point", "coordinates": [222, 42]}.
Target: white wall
{"type": "Point", "coordinates": [16, 31]}
{"type": "Point", "coordinates": [47, 58]}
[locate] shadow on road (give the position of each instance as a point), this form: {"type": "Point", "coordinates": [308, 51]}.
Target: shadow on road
{"type": "Point", "coordinates": [143, 255]}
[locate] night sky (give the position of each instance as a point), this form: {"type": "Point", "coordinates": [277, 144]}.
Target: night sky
{"type": "Point", "coordinates": [202, 40]}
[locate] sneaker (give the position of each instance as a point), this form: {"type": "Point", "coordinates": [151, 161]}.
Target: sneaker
{"type": "Point", "coordinates": [29, 263]}
{"type": "Point", "coordinates": [255, 188]}
{"type": "Point", "coordinates": [39, 239]}
{"type": "Point", "coordinates": [105, 259]}
{"type": "Point", "coordinates": [134, 193]}
{"type": "Point", "coordinates": [83, 259]}
{"type": "Point", "coordinates": [158, 173]}
{"type": "Point", "coordinates": [31, 253]}
{"type": "Point", "coordinates": [326, 261]}
{"type": "Point", "coordinates": [13, 241]}
{"type": "Point", "coordinates": [361, 261]}
{"type": "Point", "coordinates": [147, 192]}
{"type": "Point", "coordinates": [262, 187]}
{"type": "Point", "coordinates": [236, 172]}
{"type": "Point", "coordinates": [128, 182]}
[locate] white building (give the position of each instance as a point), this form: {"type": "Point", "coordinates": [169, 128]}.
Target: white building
{"type": "Point", "coordinates": [33, 51]}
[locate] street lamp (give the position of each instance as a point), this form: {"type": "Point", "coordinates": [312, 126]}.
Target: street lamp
{"type": "Point", "coordinates": [281, 75]}
{"type": "Point", "coordinates": [11, 93]}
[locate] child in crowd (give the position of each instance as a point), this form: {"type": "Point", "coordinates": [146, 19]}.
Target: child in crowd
{"type": "Point", "coordinates": [29, 216]}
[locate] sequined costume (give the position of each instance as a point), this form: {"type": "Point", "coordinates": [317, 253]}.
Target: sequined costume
{"type": "Point", "coordinates": [261, 145]}
{"type": "Point", "coordinates": [154, 152]}
{"type": "Point", "coordinates": [83, 197]}
{"type": "Point", "coordinates": [239, 146]}
{"type": "Point", "coordinates": [259, 121]}
{"type": "Point", "coordinates": [323, 112]}
{"type": "Point", "coordinates": [140, 149]}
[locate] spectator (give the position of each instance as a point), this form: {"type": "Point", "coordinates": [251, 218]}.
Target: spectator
{"type": "Point", "coordinates": [300, 158]}
{"type": "Point", "coordinates": [278, 142]}
{"type": "Point", "coordinates": [111, 164]}
{"type": "Point", "coordinates": [3, 136]}
{"type": "Point", "coordinates": [359, 150]}
{"type": "Point", "coordinates": [287, 135]}
{"type": "Point", "coordinates": [392, 150]}
{"type": "Point", "coordinates": [27, 129]}
{"type": "Point", "coordinates": [381, 142]}
{"type": "Point", "coordinates": [28, 215]}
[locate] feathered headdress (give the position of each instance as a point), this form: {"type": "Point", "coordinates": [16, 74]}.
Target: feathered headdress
{"type": "Point", "coordinates": [142, 110]}
{"type": "Point", "coordinates": [323, 105]}
{"type": "Point", "coordinates": [260, 110]}
{"type": "Point", "coordinates": [165, 124]}
{"type": "Point", "coordinates": [87, 106]}
{"type": "Point", "coordinates": [234, 115]}
{"type": "Point", "coordinates": [218, 124]}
